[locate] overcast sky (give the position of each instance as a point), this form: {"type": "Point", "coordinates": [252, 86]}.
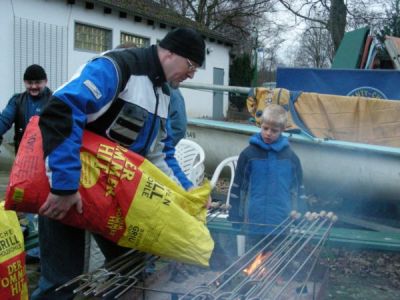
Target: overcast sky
{"type": "Point", "coordinates": [292, 36]}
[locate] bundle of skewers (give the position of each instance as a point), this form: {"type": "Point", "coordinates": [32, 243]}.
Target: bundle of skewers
{"type": "Point", "coordinates": [279, 266]}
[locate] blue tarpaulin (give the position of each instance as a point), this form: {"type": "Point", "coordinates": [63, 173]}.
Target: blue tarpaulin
{"type": "Point", "coordinates": [365, 83]}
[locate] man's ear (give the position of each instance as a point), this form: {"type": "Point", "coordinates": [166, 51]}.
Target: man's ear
{"type": "Point", "coordinates": [165, 55]}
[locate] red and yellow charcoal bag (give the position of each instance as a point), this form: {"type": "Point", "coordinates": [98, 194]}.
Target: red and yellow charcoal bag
{"type": "Point", "coordinates": [125, 198]}
{"type": "Point", "coordinates": [13, 279]}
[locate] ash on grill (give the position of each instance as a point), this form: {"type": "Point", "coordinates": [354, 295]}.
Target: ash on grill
{"type": "Point", "coordinates": [282, 265]}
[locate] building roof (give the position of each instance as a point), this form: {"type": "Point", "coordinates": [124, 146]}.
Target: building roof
{"type": "Point", "coordinates": [154, 12]}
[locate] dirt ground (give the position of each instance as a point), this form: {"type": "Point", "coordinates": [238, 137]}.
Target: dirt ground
{"type": "Point", "coordinates": [362, 274]}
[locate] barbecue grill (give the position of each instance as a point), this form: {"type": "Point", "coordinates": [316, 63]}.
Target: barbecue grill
{"type": "Point", "coordinates": [282, 264]}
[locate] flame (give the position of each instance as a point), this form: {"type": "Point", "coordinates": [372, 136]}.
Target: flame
{"type": "Point", "coordinates": [260, 259]}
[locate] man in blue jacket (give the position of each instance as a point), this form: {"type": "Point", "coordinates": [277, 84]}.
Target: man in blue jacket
{"type": "Point", "coordinates": [122, 95]}
{"type": "Point", "coordinates": [21, 107]}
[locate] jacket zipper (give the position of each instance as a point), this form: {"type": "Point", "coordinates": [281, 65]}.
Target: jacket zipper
{"type": "Point", "coordinates": [154, 121]}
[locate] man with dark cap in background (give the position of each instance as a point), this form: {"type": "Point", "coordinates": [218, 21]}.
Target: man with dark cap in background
{"type": "Point", "coordinates": [123, 96]}
{"type": "Point", "coordinates": [20, 108]}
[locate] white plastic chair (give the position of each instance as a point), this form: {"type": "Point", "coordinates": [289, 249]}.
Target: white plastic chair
{"type": "Point", "coordinates": [190, 157]}
{"type": "Point", "coordinates": [231, 163]}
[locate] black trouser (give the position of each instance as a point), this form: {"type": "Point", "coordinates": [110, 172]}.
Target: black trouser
{"type": "Point", "coordinates": [63, 256]}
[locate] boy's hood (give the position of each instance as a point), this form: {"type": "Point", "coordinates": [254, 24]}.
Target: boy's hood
{"type": "Point", "coordinates": [281, 143]}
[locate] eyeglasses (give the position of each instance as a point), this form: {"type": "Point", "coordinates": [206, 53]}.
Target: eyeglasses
{"type": "Point", "coordinates": [191, 66]}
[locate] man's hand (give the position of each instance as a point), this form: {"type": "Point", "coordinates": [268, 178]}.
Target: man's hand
{"type": "Point", "coordinates": [56, 206]}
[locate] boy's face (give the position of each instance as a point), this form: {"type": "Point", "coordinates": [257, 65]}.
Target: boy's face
{"type": "Point", "coordinates": [270, 132]}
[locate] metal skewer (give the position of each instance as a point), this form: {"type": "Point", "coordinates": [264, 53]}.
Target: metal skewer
{"type": "Point", "coordinates": [292, 244]}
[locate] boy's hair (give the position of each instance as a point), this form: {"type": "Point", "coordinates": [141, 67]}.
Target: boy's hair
{"type": "Point", "coordinates": [275, 114]}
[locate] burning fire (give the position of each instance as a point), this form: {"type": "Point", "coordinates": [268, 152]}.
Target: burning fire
{"type": "Point", "coordinates": [260, 259]}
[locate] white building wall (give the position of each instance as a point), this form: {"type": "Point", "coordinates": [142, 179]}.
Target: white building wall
{"type": "Point", "coordinates": [46, 11]}
{"type": "Point", "coordinates": [57, 12]}
{"type": "Point", "coordinates": [200, 103]}
{"type": "Point", "coordinates": [7, 52]}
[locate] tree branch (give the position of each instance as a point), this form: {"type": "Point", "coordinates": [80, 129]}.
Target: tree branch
{"type": "Point", "coordinates": [300, 15]}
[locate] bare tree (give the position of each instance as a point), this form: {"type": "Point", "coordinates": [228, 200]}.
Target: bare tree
{"type": "Point", "coordinates": [391, 26]}
{"type": "Point", "coordinates": [315, 49]}
{"type": "Point", "coordinates": [237, 19]}
{"type": "Point", "coordinates": [336, 15]}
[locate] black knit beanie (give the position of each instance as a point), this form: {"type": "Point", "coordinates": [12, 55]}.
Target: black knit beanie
{"type": "Point", "coordinates": [35, 72]}
{"type": "Point", "coordinates": [185, 42]}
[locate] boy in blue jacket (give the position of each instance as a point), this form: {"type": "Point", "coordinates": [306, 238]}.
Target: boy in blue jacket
{"type": "Point", "coordinates": [268, 176]}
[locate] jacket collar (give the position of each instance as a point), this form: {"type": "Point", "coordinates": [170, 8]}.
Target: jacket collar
{"type": "Point", "coordinates": [281, 143]}
{"type": "Point", "coordinates": [156, 73]}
